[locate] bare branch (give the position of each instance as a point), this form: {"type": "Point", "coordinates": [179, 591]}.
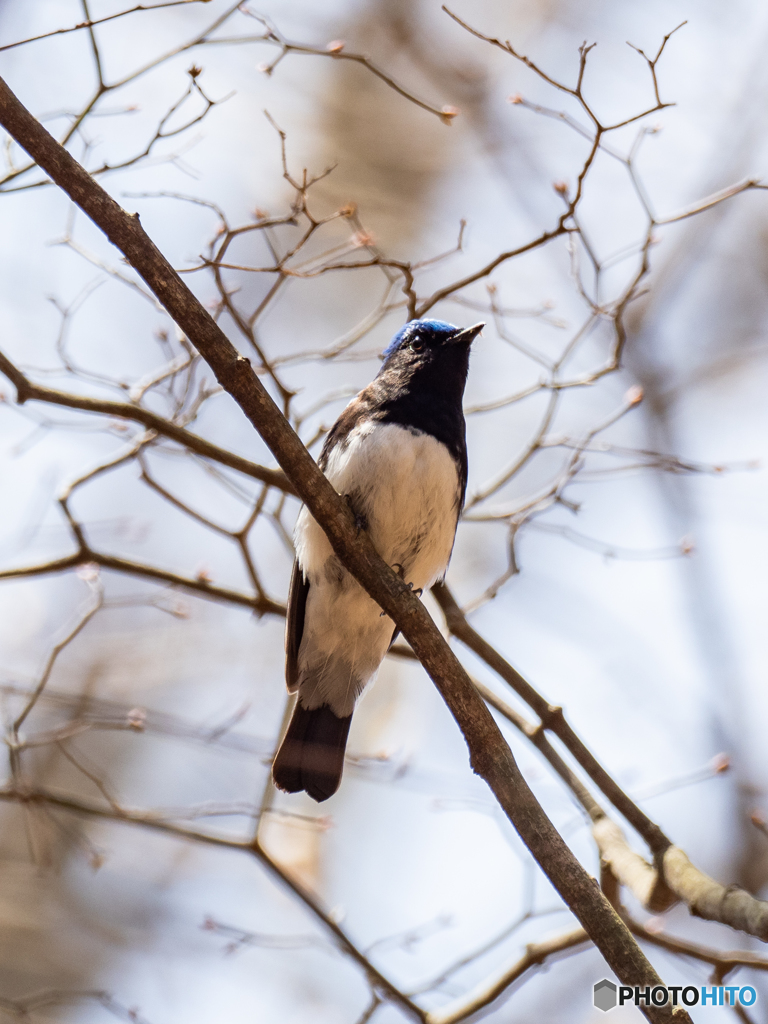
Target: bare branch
{"type": "Point", "coordinates": [490, 755]}
{"type": "Point", "coordinates": [717, 197]}
{"type": "Point", "coordinates": [40, 797]}
{"type": "Point", "coordinates": [552, 719]}
{"type": "Point", "coordinates": [488, 991]}
{"type": "Point", "coordinates": [723, 963]}
{"type": "Point", "coordinates": [335, 51]}
{"type": "Point", "coordinates": [653, 61]}
{"type": "Point", "coordinates": [27, 391]}
{"type": "Point", "coordinates": [708, 899]}
{"type": "Point", "coordinates": [201, 587]}
{"type": "Point", "coordinates": [89, 24]}
{"type": "Point", "coordinates": [83, 620]}
{"type": "Point", "coordinates": [703, 896]}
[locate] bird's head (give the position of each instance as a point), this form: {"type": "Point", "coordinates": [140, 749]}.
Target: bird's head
{"type": "Point", "coordinates": [422, 343]}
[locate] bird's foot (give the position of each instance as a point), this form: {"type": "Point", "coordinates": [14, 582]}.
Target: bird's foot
{"type": "Point", "coordinates": [399, 570]}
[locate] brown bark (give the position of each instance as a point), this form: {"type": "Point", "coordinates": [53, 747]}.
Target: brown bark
{"type": "Point", "coordinates": [490, 756]}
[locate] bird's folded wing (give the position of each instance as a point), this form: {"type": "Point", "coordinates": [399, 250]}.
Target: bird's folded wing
{"type": "Point", "coordinates": [294, 630]}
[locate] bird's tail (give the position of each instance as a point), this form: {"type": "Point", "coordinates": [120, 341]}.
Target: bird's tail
{"type": "Point", "coordinates": [311, 756]}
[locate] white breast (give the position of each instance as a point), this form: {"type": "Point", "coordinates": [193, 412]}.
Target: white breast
{"type": "Point", "coordinates": [406, 486]}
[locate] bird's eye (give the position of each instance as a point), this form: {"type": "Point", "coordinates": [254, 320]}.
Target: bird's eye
{"type": "Point", "coordinates": [416, 345]}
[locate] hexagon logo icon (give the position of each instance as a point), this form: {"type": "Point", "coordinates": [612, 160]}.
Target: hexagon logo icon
{"type": "Point", "coordinates": [605, 995]}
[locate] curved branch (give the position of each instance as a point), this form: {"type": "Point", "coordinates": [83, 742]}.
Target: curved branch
{"type": "Point", "coordinates": [477, 275]}
{"type": "Point", "coordinates": [335, 51]}
{"type": "Point", "coordinates": [490, 755]}
{"type": "Point", "coordinates": [26, 391]}
{"type": "Point", "coordinates": [674, 875]}
{"type": "Point", "coordinates": [706, 898]}
{"type": "Point", "coordinates": [487, 992]}
{"type": "Point", "coordinates": [261, 605]}
{"type": "Point", "coordinates": [722, 962]}
{"type": "Point", "coordinates": [77, 805]}
{"type": "Point", "coordinates": [552, 719]}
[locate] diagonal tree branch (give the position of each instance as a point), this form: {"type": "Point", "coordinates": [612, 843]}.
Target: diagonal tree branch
{"type": "Point", "coordinates": [552, 719]}
{"type": "Point", "coordinates": [490, 755]}
{"type": "Point", "coordinates": [674, 873]}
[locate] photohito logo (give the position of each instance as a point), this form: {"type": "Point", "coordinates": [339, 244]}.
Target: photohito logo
{"type": "Point", "coordinates": [607, 995]}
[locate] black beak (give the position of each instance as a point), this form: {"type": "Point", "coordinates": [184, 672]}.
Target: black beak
{"type": "Point", "coordinates": [468, 334]}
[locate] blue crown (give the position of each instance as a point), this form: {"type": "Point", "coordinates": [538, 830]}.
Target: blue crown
{"type": "Point", "coordinates": [436, 327]}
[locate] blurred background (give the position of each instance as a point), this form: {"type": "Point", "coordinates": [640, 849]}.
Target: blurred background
{"type": "Point", "coordinates": [639, 604]}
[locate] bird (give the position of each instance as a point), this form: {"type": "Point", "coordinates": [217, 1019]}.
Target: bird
{"type": "Point", "coordinates": [398, 455]}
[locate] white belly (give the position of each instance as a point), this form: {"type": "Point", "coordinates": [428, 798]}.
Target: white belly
{"type": "Point", "coordinates": [406, 487]}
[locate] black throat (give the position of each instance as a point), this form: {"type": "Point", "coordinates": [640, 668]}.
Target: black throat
{"type": "Point", "coordinates": [426, 398]}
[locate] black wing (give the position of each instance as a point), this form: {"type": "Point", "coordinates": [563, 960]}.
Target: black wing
{"type": "Point", "coordinates": [294, 629]}
{"type": "Point", "coordinates": [297, 597]}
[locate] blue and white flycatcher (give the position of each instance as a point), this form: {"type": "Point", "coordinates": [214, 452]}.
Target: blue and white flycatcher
{"type": "Point", "coordinates": [398, 454]}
